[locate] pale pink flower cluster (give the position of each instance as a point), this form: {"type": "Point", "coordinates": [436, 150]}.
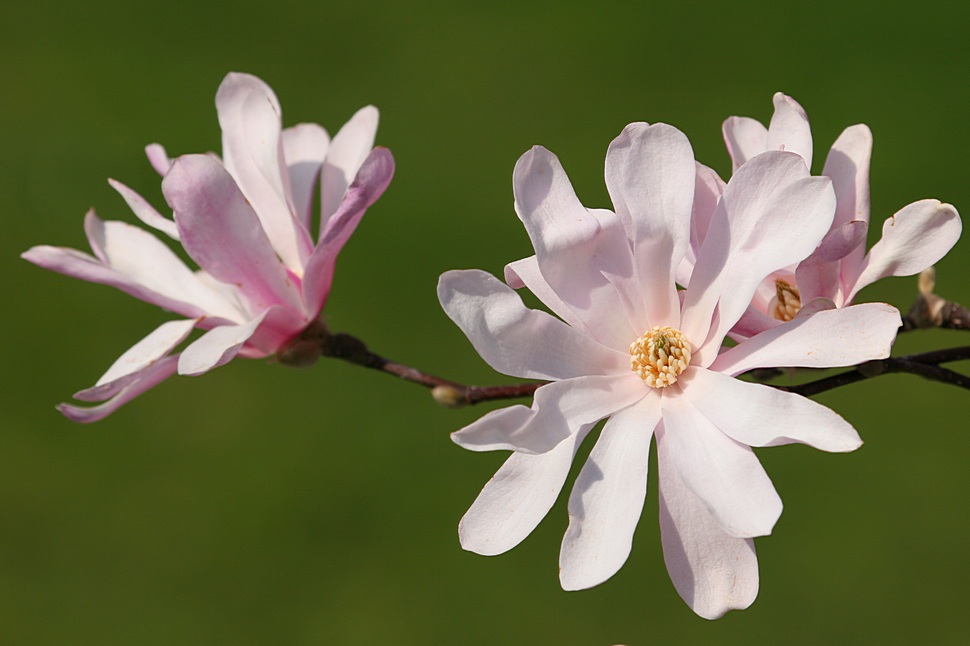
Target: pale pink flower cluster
{"type": "Point", "coordinates": [625, 344]}
{"type": "Point", "coordinates": [246, 220]}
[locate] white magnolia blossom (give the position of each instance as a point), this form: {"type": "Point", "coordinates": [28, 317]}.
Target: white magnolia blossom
{"type": "Point", "coordinates": [914, 238]}
{"type": "Point", "coordinates": [628, 347]}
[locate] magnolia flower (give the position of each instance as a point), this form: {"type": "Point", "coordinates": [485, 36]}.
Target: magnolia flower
{"type": "Point", "coordinates": [913, 239]}
{"type": "Point", "coordinates": [246, 221]}
{"type": "Point", "coordinates": [629, 348]}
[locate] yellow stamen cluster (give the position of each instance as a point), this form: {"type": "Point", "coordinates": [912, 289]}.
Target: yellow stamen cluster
{"type": "Point", "coordinates": [786, 303]}
{"type": "Point", "coordinates": [660, 355]}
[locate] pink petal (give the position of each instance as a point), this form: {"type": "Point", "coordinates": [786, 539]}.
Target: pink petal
{"type": "Point", "coordinates": [771, 215]}
{"type": "Point", "coordinates": [220, 231]}
{"type": "Point", "coordinates": [913, 239]}
{"type": "Point", "coordinates": [348, 150]}
{"type": "Point", "coordinates": [722, 472]}
{"type": "Point", "coordinates": [789, 129]}
{"type": "Point", "coordinates": [519, 341]}
{"type": "Point", "coordinates": [843, 337]}
{"type": "Point", "coordinates": [744, 138]}
{"type": "Point", "coordinates": [574, 248]}
{"type": "Point", "coordinates": [304, 149]}
{"type": "Point", "coordinates": [759, 415]}
{"type": "Point", "coordinates": [517, 498]}
{"type": "Point", "coordinates": [158, 158]}
{"type": "Point", "coordinates": [137, 263]}
{"type": "Point", "coordinates": [713, 571]}
{"type": "Point", "coordinates": [147, 378]}
{"type": "Point", "coordinates": [607, 499]}
{"type": "Point", "coordinates": [145, 212]}
{"type": "Point", "coordinates": [370, 183]}
{"type": "Point", "coordinates": [525, 273]}
{"type": "Point", "coordinates": [153, 347]}
{"type": "Point", "coordinates": [848, 165]}
{"type": "Point", "coordinates": [559, 410]}
{"type": "Point", "coordinates": [650, 176]}
{"type": "Point", "coordinates": [252, 150]}
{"type": "Point", "coordinates": [708, 188]}
{"type": "Point", "coordinates": [216, 347]}
{"type": "Point", "coordinates": [818, 276]}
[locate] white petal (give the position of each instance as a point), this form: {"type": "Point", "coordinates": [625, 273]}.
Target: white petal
{"type": "Point", "coordinates": [650, 174]}
{"type": "Point", "coordinates": [913, 239]}
{"type": "Point", "coordinates": [827, 339]}
{"type": "Point", "coordinates": [304, 149]}
{"type": "Point", "coordinates": [559, 410]}
{"type": "Point", "coordinates": [575, 247]}
{"type": "Point", "coordinates": [525, 273]}
{"type": "Point", "coordinates": [149, 350]}
{"type": "Point", "coordinates": [142, 258]}
{"type": "Point", "coordinates": [252, 149]}
{"type": "Point", "coordinates": [744, 138]}
{"type": "Point", "coordinates": [772, 214]}
{"type": "Point", "coordinates": [759, 415]}
{"type": "Point", "coordinates": [516, 340]}
{"type": "Point", "coordinates": [216, 347]}
{"type": "Point", "coordinates": [848, 165]}
{"type": "Point", "coordinates": [517, 498]}
{"type": "Point", "coordinates": [145, 211]}
{"type": "Point", "coordinates": [348, 150]}
{"type": "Point", "coordinates": [723, 473]}
{"type": "Point", "coordinates": [789, 129]}
{"type": "Point", "coordinates": [713, 571]}
{"type": "Point", "coordinates": [607, 499]}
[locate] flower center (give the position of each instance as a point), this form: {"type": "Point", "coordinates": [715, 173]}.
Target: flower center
{"type": "Point", "coordinates": [660, 355]}
{"type": "Point", "coordinates": [786, 303]}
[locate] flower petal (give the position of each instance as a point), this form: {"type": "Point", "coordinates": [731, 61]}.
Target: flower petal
{"type": "Point", "coordinates": [517, 498]}
{"type": "Point", "coordinates": [722, 472]}
{"type": "Point", "coordinates": [252, 151]}
{"type": "Point", "coordinates": [713, 571]}
{"type": "Point", "coordinates": [759, 415]}
{"type": "Point", "coordinates": [304, 149]}
{"type": "Point", "coordinates": [559, 410]}
{"type": "Point", "coordinates": [744, 138]}
{"type": "Point", "coordinates": [158, 158]}
{"type": "Point", "coordinates": [607, 499]}
{"type": "Point", "coordinates": [350, 147]}
{"type": "Point", "coordinates": [819, 275]}
{"type": "Point", "coordinates": [137, 263]}
{"type": "Point", "coordinates": [848, 165]}
{"type": "Point", "coordinates": [145, 379]}
{"type": "Point", "coordinates": [574, 247]}
{"type": "Point", "coordinates": [145, 211]}
{"type": "Point", "coordinates": [519, 341]}
{"type": "Point", "coordinates": [650, 174]}
{"type": "Point", "coordinates": [370, 183]}
{"type": "Point", "coordinates": [708, 188]}
{"type": "Point", "coordinates": [525, 273]}
{"type": "Point", "coordinates": [146, 352]}
{"type": "Point", "coordinates": [789, 129]}
{"type": "Point", "coordinates": [772, 214]}
{"type": "Point", "coordinates": [844, 337]}
{"type": "Point", "coordinates": [913, 239]}
{"type": "Point", "coordinates": [222, 233]}
{"type": "Point", "coordinates": [216, 347]}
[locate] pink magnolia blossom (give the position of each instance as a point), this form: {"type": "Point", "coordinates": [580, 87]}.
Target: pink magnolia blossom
{"type": "Point", "coordinates": [246, 221]}
{"type": "Point", "coordinates": [629, 348]}
{"type": "Point", "coordinates": [914, 238]}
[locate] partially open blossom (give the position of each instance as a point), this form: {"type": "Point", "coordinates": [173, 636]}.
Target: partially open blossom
{"type": "Point", "coordinates": [628, 347]}
{"type": "Point", "coordinates": [265, 268]}
{"type": "Point", "coordinates": [914, 238]}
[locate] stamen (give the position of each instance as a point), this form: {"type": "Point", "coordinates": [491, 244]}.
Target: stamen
{"type": "Point", "coordinates": [786, 303]}
{"type": "Point", "coordinates": [660, 355]}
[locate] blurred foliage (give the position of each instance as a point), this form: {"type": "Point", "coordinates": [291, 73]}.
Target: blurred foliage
{"type": "Point", "coordinates": [259, 504]}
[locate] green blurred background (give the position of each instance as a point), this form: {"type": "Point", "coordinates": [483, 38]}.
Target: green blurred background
{"type": "Point", "coordinates": [264, 505]}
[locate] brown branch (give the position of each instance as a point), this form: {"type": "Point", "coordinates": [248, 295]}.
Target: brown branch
{"type": "Point", "coordinates": [930, 310]}
{"type": "Point", "coordinates": [317, 341]}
